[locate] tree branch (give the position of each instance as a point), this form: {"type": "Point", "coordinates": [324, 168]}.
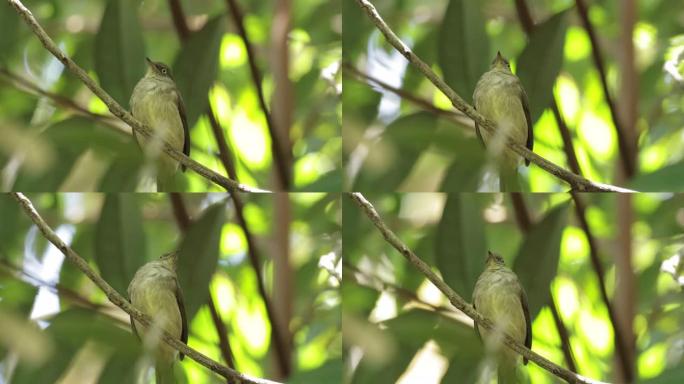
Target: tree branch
{"type": "Point", "coordinates": [117, 110]}
{"type": "Point", "coordinates": [576, 182]}
{"type": "Point", "coordinates": [455, 299]}
{"type": "Point", "coordinates": [280, 156]}
{"type": "Point", "coordinates": [628, 165]}
{"type": "Point", "coordinates": [528, 25]}
{"type": "Point", "coordinates": [522, 216]}
{"type": "Point", "coordinates": [183, 220]}
{"type": "Point", "coordinates": [121, 302]}
{"type": "Point", "coordinates": [580, 212]}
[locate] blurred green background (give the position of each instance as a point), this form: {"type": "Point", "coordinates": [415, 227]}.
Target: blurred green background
{"type": "Point", "coordinates": [58, 325]}
{"type": "Point", "coordinates": [392, 143]}
{"type": "Point", "coordinates": [399, 328]}
{"type": "Point", "coordinates": [48, 146]}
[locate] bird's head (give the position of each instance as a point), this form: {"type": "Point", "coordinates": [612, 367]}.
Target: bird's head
{"type": "Point", "coordinates": [500, 63]}
{"type": "Point", "coordinates": [494, 259]}
{"type": "Point", "coordinates": [158, 69]}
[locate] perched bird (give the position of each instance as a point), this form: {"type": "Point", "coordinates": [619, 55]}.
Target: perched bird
{"type": "Point", "coordinates": [499, 297]}
{"type": "Point", "coordinates": [500, 97]}
{"type": "Point", "coordinates": [157, 103]}
{"type": "Point", "coordinates": [154, 291]}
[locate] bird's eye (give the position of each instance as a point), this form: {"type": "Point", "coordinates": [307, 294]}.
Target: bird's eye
{"type": "Point", "coordinates": [163, 71]}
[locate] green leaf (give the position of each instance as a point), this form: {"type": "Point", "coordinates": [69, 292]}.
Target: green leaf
{"type": "Point", "coordinates": [120, 240]}
{"type": "Point", "coordinates": [668, 178]}
{"type": "Point", "coordinates": [461, 245]}
{"type": "Point", "coordinates": [463, 46]}
{"type": "Point", "coordinates": [120, 50]}
{"type": "Point", "coordinates": [123, 173]}
{"type": "Point", "coordinates": [541, 61]}
{"type": "Point", "coordinates": [393, 157]}
{"type": "Point", "coordinates": [196, 65]}
{"type": "Point", "coordinates": [537, 260]}
{"type": "Point", "coordinates": [9, 38]}
{"type": "Point", "coordinates": [197, 257]}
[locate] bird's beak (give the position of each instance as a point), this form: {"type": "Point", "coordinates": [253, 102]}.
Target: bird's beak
{"type": "Point", "coordinates": [150, 63]}
{"type": "Point", "coordinates": [498, 55]}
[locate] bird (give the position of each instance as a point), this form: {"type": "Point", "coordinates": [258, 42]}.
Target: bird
{"type": "Point", "coordinates": [500, 97]}
{"type": "Point", "coordinates": [499, 297]}
{"type": "Point", "coordinates": [154, 290]}
{"type": "Point", "coordinates": [157, 103]}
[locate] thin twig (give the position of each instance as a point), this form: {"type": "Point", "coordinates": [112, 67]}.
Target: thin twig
{"type": "Point", "coordinates": [522, 216]}
{"type": "Point", "coordinates": [576, 182]}
{"type": "Point", "coordinates": [580, 211]}
{"type": "Point", "coordinates": [121, 302]}
{"type": "Point", "coordinates": [455, 299]}
{"type": "Point", "coordinates": [628, 165]}
{"type": "Point", "coordinates": [279, 149]}
{"type": "Point", "coordinates": [117, 110]}
{"type": "Point", "coordinates": [528, 25]}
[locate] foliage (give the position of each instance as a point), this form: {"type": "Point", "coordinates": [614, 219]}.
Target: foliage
{"type": "Point", "coordinates": [458, 39]}
{"type": "Point", "coordinates": [388, 303]}
{"type": "Point", "coordinates": [110, 40]}
{"type": "Point", "coordinates": [116, 233]}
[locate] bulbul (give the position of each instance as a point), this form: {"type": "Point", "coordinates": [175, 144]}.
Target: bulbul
{"type": "Point", "coordinates": [500, 97]}
{"type": "Point", "coordinates": [157, 103]}
{"type": "Point", "coordinates": [499, 297]}
{"type": "Point", "coordinates": [154, 291]}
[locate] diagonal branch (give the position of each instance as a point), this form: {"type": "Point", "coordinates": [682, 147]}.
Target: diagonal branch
{"type": "Point", "coordinates": [528, 25]}
{"type": "Point", "coordinates": [180, 212]}
{"type": "Point", "coordinates": [117, 110]}
{"type": "Point", "coordinates": [628, 165]}
{"type": "Point", "coordinates": [522, 216]}
{"type": "Point", "coordinates": [280, 151]}
{"type": "Point", "coordinates": [456, 300]}
{"type": "Point", "coordinates": [121, 302]}
{"type": "Point", "coordinates": [620, 345]}
{"type": "Point", "coordinates": [577, 182]}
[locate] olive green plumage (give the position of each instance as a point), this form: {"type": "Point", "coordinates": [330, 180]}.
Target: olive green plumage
{"type": "Point", "coordinates": [154, 291]}
{"type": "Point", "coordinates": [157, 103]}
{"type": "Point", "coordinates": [499, 296]}
{"type": "Point", "coordinates": [500, 97]}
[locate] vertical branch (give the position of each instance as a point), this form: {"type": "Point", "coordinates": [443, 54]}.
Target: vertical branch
{"type": "Point", "coordinates": [281, 151]}
{"type": "Point", "coordinates": [620, 344]}
{"type": "Point", "coordinates": [629, 82]}
{"type": "Point", "coordinates": [627, 159]}
{"type": "Point", "coordinates": [180, 212]}
{"type": "Point", "coordinates": [524, 222]}
{"type": "Point", "coordinates": [528, 25]}
{"type": "Point", "coordinates": [625, 288]}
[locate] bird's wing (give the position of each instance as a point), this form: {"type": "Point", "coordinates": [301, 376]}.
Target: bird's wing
{"type": "Point", "coordinates": [528, 323]}
{"type": "Point", "coordinates": [478, 133]}
{"type": "Point", "coordinates": [477, 330]}
{"type": "Point", "coordinates": [184, 319]}
{"type": "Point", "coordinates": [135, 331]}
{"type": "Point", "coordinates": [186, 131]}
{"type": "Point", "coordinates": [526, 108]}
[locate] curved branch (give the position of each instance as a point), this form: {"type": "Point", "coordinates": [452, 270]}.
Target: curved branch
{"type": "Point", "coordinates": [117, 110]}
{"type": "Point", "coordinates": [455, 299]}
{"type": "Point", "coordinates": [121, 302]}
{"type": "Point", "coordinates": [576, 182]}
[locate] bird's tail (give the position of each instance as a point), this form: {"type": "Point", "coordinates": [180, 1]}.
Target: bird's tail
{"type": "Point", "coordinates": [163, 372]}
